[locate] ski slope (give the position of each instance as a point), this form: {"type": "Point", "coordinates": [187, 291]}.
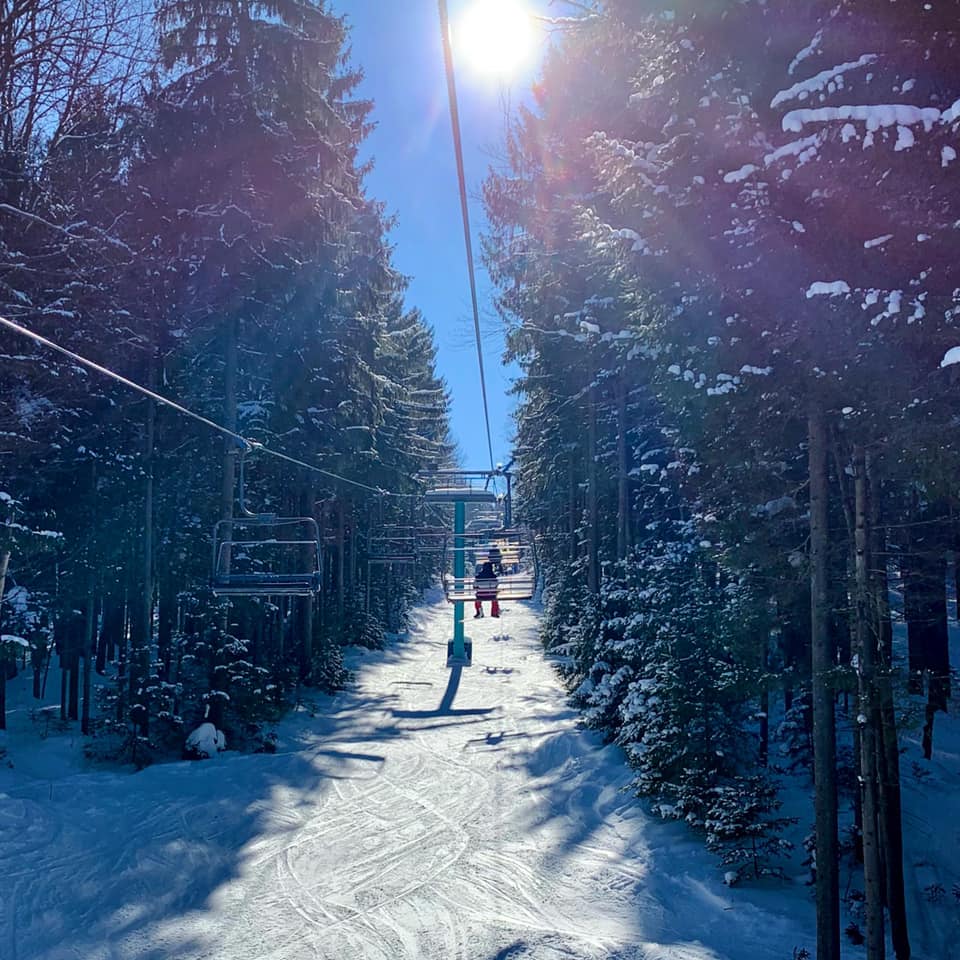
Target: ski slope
{"type": "Point", "coordinates": [424, 814]}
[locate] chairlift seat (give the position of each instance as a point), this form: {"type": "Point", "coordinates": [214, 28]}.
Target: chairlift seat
{"type": "Point", "coordinates": [393, 558]}
{"type": "Point", "coordinates": [266, 585]}
{"type": "Point", "coordinates": [517, 586]}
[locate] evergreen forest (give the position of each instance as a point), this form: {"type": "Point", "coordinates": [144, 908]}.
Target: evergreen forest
{"type": "Point", "coordinates": [722, 238]}
{"type": "Point", "coordinates": [181, 200]}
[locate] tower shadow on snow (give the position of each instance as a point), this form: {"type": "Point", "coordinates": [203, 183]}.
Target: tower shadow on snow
{"type": "Point", "coordinates": [446, 708]}
{"type": "Point", "coordinates": [514, 950]}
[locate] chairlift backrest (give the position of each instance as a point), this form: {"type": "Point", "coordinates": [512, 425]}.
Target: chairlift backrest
{"type": "Point", "coordinates": [266, 555]}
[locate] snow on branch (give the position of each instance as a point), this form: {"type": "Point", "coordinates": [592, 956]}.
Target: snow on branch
{"type": "Point", "coordinates": [808, 51]}
{"type": "Point", "coordinates": [736, 176]}
{"type": "Point", "coordinates": [816, 83]}
{"type": "Point", "coordinates": [874, 115]}
{"type": "Point", "coordinates": [834, 288]}
{"type": "Point", "coordinates": [951, 357]}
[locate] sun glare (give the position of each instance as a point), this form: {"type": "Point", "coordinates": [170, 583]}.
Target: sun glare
{"type": "Point", "coordinates": [495, 37]}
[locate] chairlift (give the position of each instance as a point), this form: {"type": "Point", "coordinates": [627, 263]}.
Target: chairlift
{"type": "Point", "coordinates": [489, 528]}
{"type": "Point", "coordinates": [397, 543]}
{"type": "Point", "coordinates": [265, 555]}
{"type": "Point", "coordinates": [516, 569]}
{"type": "Point", "coordinates": [390, 548]}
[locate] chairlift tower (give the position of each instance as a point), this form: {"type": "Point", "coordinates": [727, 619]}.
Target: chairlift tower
{"type": "Point", "coordinates": [459, 487]}
{"type": "Point", "coordinates": [516, 576]}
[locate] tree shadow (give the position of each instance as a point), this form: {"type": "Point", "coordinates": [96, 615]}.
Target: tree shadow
{"type": "Point", "coordinates": [120, 860]}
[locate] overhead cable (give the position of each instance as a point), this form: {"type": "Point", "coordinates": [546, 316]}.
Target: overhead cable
{"type": "Point", "coordinates": [246, 442]}
{"type": "Point", "coordinates": [458, 151]}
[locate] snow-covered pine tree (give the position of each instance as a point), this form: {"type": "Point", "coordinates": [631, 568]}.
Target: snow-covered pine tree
{"type": "Point", "coordinates": [744, 830]}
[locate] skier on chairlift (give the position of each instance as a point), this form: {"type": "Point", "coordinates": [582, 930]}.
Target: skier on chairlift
{"type": "Point", "coordinates": [486, 587]}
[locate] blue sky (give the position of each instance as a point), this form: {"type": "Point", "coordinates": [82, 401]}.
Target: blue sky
{"type": "Point", "coordinates": [397, 44]}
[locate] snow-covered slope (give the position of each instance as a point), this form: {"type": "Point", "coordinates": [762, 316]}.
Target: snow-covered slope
{"type": "Point", "coordinates": [425, 813]}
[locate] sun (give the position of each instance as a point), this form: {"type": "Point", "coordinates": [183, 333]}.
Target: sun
{"type": "Point", "coordinates": [495, 37]}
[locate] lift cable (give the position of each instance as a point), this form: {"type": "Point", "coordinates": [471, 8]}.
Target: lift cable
{"type": "Point", "coordinates": [245, 442]}
{"type": "Point", "coordinates": [458, 151]}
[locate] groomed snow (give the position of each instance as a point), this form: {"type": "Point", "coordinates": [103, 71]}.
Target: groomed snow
{"type": "Point", "coordinates": [425, 813]}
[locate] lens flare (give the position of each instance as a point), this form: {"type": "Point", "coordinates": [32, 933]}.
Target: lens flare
{"type": "Point", "coordinates": [495, 37]}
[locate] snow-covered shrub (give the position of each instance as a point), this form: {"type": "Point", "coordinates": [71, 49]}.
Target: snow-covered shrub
{"type": "Point", "coordinates": [742, 827]}
{"type": "Point", "coordinates": [607, 654]}
{"type": "Point", "coordinates": [327, 671]}
{"type": "Point", "coordinates": [250, 695]}
{"type": "Point", "coordinates": [684, 716]}
{"type": "Point", "coordinates": [792, 735]}
{"type": "Point", "coordinates": [357, 627]}
{"type": "Point", "coordinates": [564, 604]}
{"type": "Point", "coordinates": [391, 607]}
{"type": "Point", "coordinates": [28, 629]}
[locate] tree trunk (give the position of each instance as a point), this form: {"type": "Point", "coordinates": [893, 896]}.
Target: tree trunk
{"type": "Point", "coordinates": [87, 649]}
{"type": "Point", "coordinates": [166, 619]}
{"type": "Point", "coordinates": [764, 749]}
{"type": "Point", "coordinates": [867, 718]}
{"type": "Point", "coordinates": [38, 669]}
{"type": "Point", "coordinates": [623, 500]}
{"type": "Point", "coordinates": [111, 626]}
{"type": "Point", "coordinates": [325, 565]}
{"type": "Point", "coordinates": [229, 479]}
{"type": "Point", "coordinates": [891, 809]}
{"type": "Point", "coordinates": [4, 565]}
{"type": "Point", "coordinates": [925, 610]}
{"type": "Point", "coordinates": [123, 657]}
{"type": "Point", "coordinates": [341, 558]}
{"type": "Point", "coordinates": [216, 634]}
{"type": "Point", "coordinates": [89, 609]}
{"type": "Point", "coordinates": [308, 561]}
{"type": "Point", "coordinates": [141, 662]}
{"type": "Point", "coordinates": [956, 575]}
{"type": "Point", "coordinates": [354, 577]}
{"type": "Point", "coordinates": [64, 685]}
{"type": "Point", "coordinates": [827, 892]}
{"type": "Point", "coordinates": [593, 512]}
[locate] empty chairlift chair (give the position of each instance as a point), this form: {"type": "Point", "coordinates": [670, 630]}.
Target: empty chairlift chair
{"type": "Point", "coordinates": [265, 555]}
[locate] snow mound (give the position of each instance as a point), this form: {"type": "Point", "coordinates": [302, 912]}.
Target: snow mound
{"type": "Point", "coordinates": [205, 742]}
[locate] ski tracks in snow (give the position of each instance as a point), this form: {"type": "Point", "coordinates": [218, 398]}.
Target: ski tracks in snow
{"type": "Point", "coordinates": [424, 814]}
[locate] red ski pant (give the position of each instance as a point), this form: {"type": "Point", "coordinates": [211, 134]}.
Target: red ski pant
{"type": "Point", "coordinates": [494, 604]}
